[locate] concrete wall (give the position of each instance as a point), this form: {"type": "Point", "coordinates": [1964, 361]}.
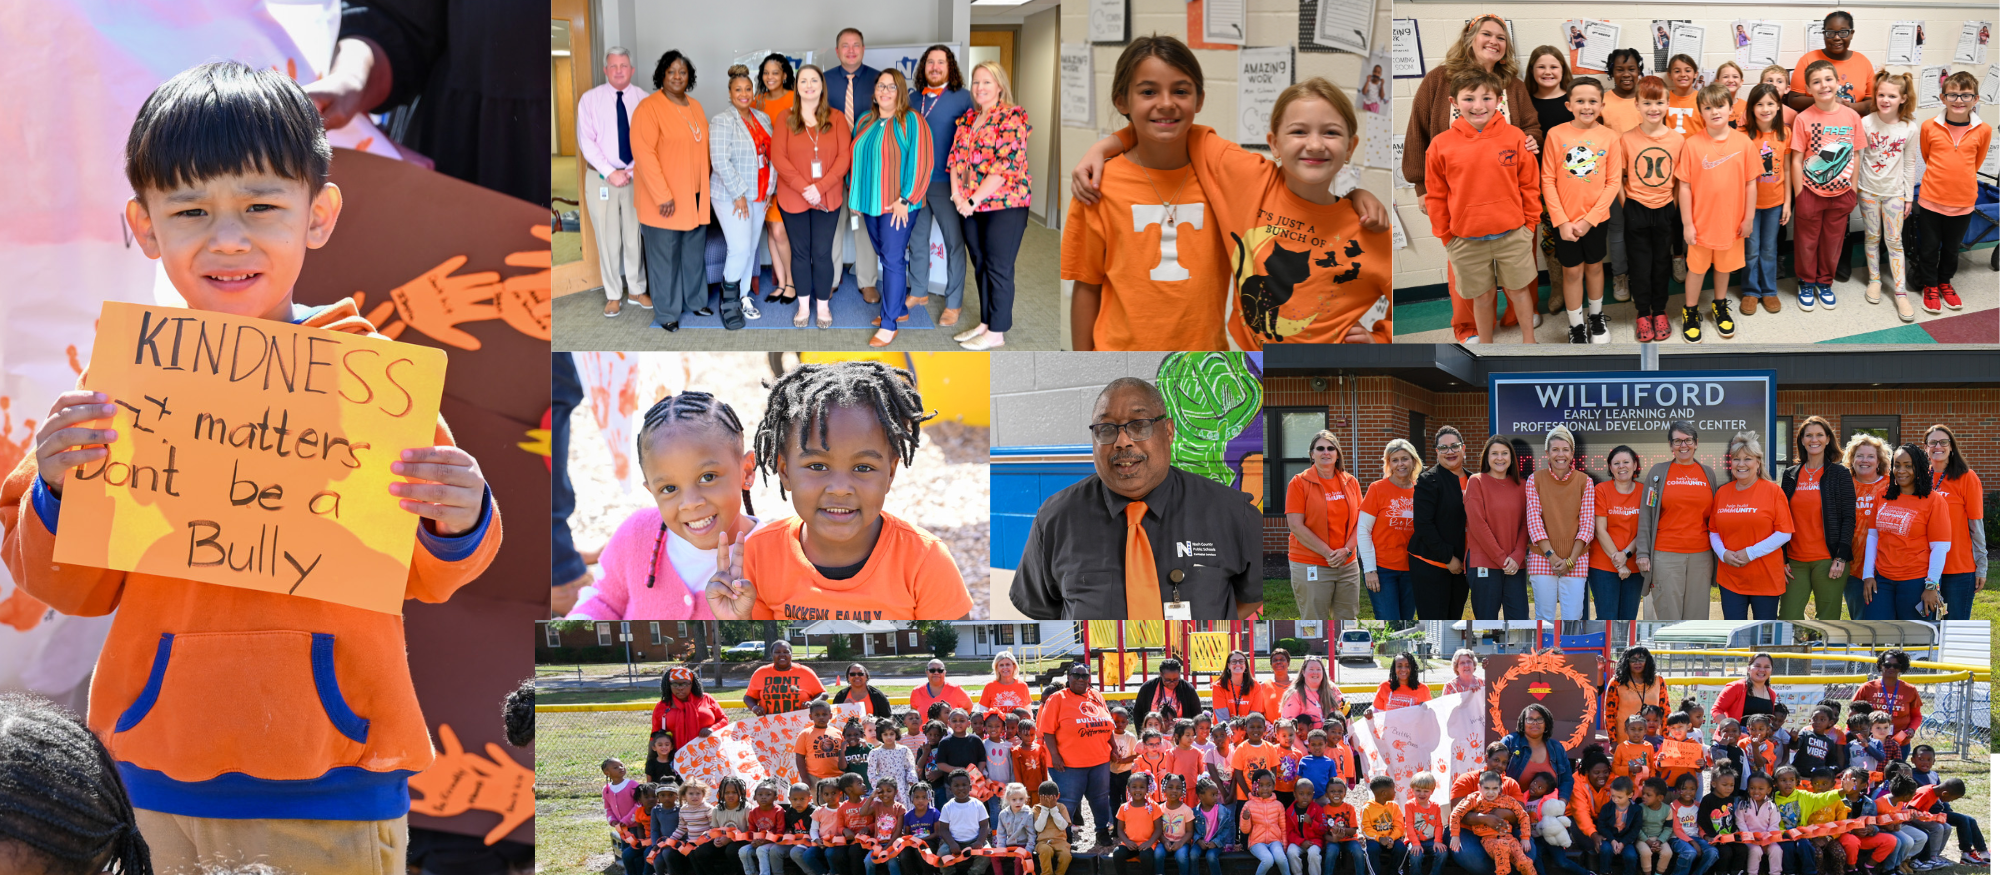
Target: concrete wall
{"type": "Point", "coordinates": [1045, 398]}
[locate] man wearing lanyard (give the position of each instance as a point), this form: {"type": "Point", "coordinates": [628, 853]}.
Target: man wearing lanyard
{"type": "Point", "coordinates": [850, 89]}
{"type": "Point", "coordinates": [604, 133]}
{"type": "Point", "coordinates": [1090, 552]}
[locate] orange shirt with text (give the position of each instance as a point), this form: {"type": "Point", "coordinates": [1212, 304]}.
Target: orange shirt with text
{"type": "Point", "coordinates": [1390, 505]}
{"type": "Point", "coordinates": [1904, 530]}
{"type": "Point", "coordinates": [1718, 174]}
{"type": "Point", "coordinates": [1743, 517]}
{"type": "Point", "coordinates": [909, 576]}
{"type": "Point", "coordinates": [1685, 502]}
{"type": "Point", "coordinates": [1621, 519]}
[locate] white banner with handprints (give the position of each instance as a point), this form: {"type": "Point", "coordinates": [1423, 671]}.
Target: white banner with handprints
{"type": "Point", "coordinates": [1444, 736]}
{"type": "Point", "coordinates": [757, 748]}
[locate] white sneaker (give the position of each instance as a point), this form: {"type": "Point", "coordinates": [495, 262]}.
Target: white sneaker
{"type": "Point", "coordinates": [1538, 320]}
{"type": "Point", "coordinates": [749, 309]}
{"type": "Point", "coordinates": [970, 333]}
{"type": "Point", "coordinates": [1621, 288]}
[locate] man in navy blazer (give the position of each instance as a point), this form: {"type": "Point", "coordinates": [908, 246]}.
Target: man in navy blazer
{"type": "Point", "coordinates": [850, 90]}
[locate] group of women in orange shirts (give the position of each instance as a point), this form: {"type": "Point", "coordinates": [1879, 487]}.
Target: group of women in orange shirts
{"type": "Point", "coordinates": [1881, 532]}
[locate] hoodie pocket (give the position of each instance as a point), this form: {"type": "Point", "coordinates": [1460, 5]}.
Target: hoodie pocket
{"type": "Point", "coordinates": [265, 704]}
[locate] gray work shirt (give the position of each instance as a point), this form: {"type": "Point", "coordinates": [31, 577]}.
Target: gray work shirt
{"type": "Point", "coordinates": [1074, 564]}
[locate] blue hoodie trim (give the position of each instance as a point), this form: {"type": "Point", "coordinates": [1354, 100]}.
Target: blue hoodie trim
{"type": "Point", "coordinates": [47, 505]}
{"type": "Point", "coordinates": [346, 793]}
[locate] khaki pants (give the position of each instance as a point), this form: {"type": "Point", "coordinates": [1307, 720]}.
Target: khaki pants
{"type": "Point", "coordinates": [1054, 854]}
{"type": "Point", "coordinates": [1680, 586]}
{"type": "Point", "coordinates": [866, 270]}
{"type": "Point", "coordinates": [617, 228]}
{"type": "Point", "coordinates": [184, 845]}
{"type": "Point", "coordinates": [1327, 593]}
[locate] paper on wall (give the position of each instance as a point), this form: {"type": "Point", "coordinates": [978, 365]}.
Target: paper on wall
{"type": "Point", "coordinates": [1991, 166]}
{"type": "Point", "coordinates": [1989, 87]}
{"type": "Point", "coordinates": [1398, 238]}
{"type": "Point", "coordinates": [1686, 39]}
{"type": "Point", "coordinates": [1261, 75]}
{"type": "Point", "coordinates": [1077, 83]}
{"type": "Point", "coordinates": [1662, 37]}
{"type": "Point", "coordinates": [1972, 39]}
{"type": "Point", "coordinates": [1815, 35]}
{"type": "Point", "coordinates": [1407, 48]}
{"type": "Point", "coordinates": [1930, 84]}
{"type": "Point", "coordinates": [1376, 124]}
{"type": "Point", "coordinates": [1599, 39]}
{"type": "Point", "coordinates": [1109, 21]}
{"type": "Point", "coordinates": [1344, 24]}
{"type": "Point", "coordinates": [1396, 163]}
{"type": "Point", "coordinates": [1757, 43]}
{"type": "Point", "coordinates": [1903, 45]}
{"type": "Point", "coordinates": [1223, 21]}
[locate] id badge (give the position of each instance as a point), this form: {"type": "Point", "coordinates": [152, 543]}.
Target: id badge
{"type": "Point", "coordinates": [853, 221]}
{"type": "Point", "coordinates": [1312, 572]}
{"type": "Point", "coordinates": [1179, 611]}
{"type": "Point", "coordinates": [604, 192]}
{"type": "Point", "coordinates": [1482, 572]}
{"type": "Point", "coordinates": [816, 172]}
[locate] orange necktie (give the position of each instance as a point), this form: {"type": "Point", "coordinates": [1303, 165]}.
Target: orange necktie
{"type": "Point", "coordinates": [1142, 579]}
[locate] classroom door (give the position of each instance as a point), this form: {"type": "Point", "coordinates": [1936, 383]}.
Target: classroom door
{"type": "Point", "coordinates": [992, 45]}
{"type": "Point", "coordinates": [570, 66]}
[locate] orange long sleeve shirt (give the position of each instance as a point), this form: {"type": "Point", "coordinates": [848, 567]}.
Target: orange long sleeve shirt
{"type": "Point", "coordinates": [1481, 182]}
{"type": "Point", "coordinates": [670, 162]}
{"type": "Point", "coordinates": [1951, 167]}
{"type": "Point", "coordinates": [1478, 805]}
{"type": "Point", "coordinates": [1580, 173]}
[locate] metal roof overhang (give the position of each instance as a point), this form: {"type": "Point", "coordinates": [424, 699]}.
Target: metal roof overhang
{"type": "Point", "coordinates": [1444, 367]}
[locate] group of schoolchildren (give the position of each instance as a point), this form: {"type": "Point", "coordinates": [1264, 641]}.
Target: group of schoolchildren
{"type": "Point", "coordinates": [1719, 191]}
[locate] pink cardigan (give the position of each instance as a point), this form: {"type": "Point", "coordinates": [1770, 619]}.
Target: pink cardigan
{"type": "Point", "coordinates": [1755, 817]}
{"type": "Point", "coordinates": [1496, 522]}
{"type": "Point", "coordinates": [621, 594]}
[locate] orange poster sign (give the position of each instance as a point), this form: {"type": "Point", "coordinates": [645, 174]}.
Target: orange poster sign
{"type": "Point", "coordinates": [252, 453]}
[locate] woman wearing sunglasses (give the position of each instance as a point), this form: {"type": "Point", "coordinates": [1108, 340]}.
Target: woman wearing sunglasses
{"type": "Point", "coordinates": [858, 689]}
{"type": "Point", "coordinates": [935, 689]}
{"type": "Point", "coordinates": [1323, 510]}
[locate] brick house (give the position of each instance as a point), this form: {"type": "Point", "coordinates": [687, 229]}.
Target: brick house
{"type": "Point", "coordinates": [869, 638]}
{"type": "Point", "coordinates": [652, 640]}
{"type": "Point", "coordinates": [1408, 391]}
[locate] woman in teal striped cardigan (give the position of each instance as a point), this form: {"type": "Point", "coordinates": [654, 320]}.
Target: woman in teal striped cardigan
{"type": "Point", "coordinates": [891, 172]}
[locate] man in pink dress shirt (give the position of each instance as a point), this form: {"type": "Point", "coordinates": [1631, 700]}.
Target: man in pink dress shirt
{"type": "Point", "coordinates": [604, 134]}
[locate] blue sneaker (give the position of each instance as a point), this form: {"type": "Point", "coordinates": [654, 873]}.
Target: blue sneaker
{"type": "Point", "coordinates": [1826, 297]}
{"type": "Point", "coordinates": [1807, 293]}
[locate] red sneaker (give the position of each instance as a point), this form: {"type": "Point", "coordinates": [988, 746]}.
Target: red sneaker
{"type": "Point", "coordinates": [1950, 296]}
{"type": "Point", "coordinates": [1931, 302]}
{"type": "Point", "coordinates": [1645, 329]}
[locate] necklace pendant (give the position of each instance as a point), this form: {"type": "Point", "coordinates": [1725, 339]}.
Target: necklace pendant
{"type": "Point", "coordinates": [1167, 220]}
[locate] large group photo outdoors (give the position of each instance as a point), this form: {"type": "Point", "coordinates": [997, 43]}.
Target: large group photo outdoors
{"type": "Point", "coordinates": [1818, 746]}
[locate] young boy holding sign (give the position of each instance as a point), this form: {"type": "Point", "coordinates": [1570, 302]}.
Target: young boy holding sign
{"type": "Point", "coordinates": [247, 724]}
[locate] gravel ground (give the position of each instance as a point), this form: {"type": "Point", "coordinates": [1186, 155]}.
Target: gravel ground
{"type": "Point", "coordinates": [945, 491]}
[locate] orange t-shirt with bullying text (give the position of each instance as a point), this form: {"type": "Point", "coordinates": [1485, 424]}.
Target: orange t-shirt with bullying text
{"type": "Point", "coordinates": [1481, 182]}
{"type": "Point", "coordinates": [1301, 272]}
{"type": "Point", "coordinates": [1164, 284]}
{"type": "Point", "coordinates": [1391, 506]}
{"type": "Point", "coordinates": [908, 576]}
{"type": "Point", "coordinates": [1649, 165]}
{"type": "Point", "coordinates": [1719, 175]}
{"type": "Point", "coordinates": [1742, 518]}
{"type": "Point", "coordinates": [1621, 519]}
{"type": "Point", "coordinates": [1905, 528]}
{"type": "Point", "coordinates": [1580, 173]}
{"type": "Point", "coordinates": [1773, 160]}
{"type": "Point", "coordinates": [1962, 498]}
{"type": "Point", "coordinates": [1247, 758]}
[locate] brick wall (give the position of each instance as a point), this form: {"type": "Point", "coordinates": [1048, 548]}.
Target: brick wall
{"type": "Point", "coordinates": [1384, 405]}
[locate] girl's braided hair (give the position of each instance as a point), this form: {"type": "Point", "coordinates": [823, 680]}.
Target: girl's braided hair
{"type": "Point", "coordinates": [63, 798]}
{"type": "Point", "coordinates": [800, 400]}
{"type": "Point", "coordinates": [695, 408]}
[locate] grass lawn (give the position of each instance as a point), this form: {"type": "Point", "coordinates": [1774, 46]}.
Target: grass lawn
{"type": "Point", "coordinates": [1986, 606]}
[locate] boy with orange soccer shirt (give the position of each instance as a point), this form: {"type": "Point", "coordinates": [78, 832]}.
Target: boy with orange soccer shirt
{"type": "Point", "coordinates": [1906, 552]}
{"type": "Point", "coordinates": [1579, 181]}
{"type": "Point", "coordinates": [1953, 144]}
{"type": "Point", "coordinates": [1717, 192]}
{"type": "Point", "coordinates": [1483, 194]}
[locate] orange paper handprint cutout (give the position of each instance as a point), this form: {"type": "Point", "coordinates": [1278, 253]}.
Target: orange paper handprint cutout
{"type": "Point", "coordinates": [436, 302]}
{"type": "Point", "coordinates": [458, 782]}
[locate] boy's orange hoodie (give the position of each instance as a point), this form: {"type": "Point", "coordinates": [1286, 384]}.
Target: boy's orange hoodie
{"type": "Point", "coordinates": [1481, 183]}
{"type": "Point", "coordinates": [1951, 169]}
{"type": "Point", "coordinates": [233, 703]}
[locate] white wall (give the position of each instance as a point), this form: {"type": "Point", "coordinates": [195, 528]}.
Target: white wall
{"type": "Point", "coordinates": [1271, 23]}
{"type": "Point", "coordinates": [1035, 89]}
{"type": "Point", "coordinates": [1536, 24]}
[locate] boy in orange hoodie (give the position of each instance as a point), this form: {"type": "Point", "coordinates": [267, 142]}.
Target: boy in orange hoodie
{"type": "Point", "coordinates": [1483, 194]}
{"type": "Point", "coordinates": [248, 724]}
{"type": "Point", "coordinates": [1580, 160]}
{"type": "Point", "coordinates": [1953, 143]}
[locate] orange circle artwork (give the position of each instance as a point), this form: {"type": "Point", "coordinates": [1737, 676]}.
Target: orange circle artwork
{"type": "Point", "coordinates": [1553, 663]}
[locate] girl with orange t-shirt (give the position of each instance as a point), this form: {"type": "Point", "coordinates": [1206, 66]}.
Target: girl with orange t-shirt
{"type": "Point", "coordinates": [1683, 117]}
{"type": "Point", "coordinates": [1908, 544]}
{"type": "Point", "coordinates": [1867, 459]}
{"type": "Point", "coordinates": [1772, 159]}
{"type": "Point", "coordinates": [1965, 567]}
{"type": "Point", "coordinates": [1749, 520]}
{"type": "Point", "coordinates": [1383, 535]}
{"type": "Point", "coordinates": [842, 552]}
{"type": "Point", "coordinates": [1614, 585]}
{"type": "Point", "coordinates": [1323, 511]}
{"type": "Point", "coordinates": [1308, 266]}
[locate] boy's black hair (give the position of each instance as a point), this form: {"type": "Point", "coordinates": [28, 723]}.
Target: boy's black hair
{"type": "Point", "coordinates": [1920, 748]}
{"type": "Point", "coordinates": [1902, 785]}
{"type": "Point", "coordinates": [1657, 785]}
{"type": "Point", "coordinates": [1679, 718]}
{"type": "Point", "coordinates": [1183, 725]}
{"type": "Point", "coordinates": [1832, 716]}
{"type": "Point", "coordinates": [937, 710]}
{"type": "Point", "coordinates": [800, 401]}
{"type": "Point", "coordinates": [1859, 706]}
{"type": "Point", "coordinates": [1638, 59]}
{"type": "Point", "coordinates": [517, 712]}
{"type": "Point", "coordinates": [1052, 787]}
{"type": "Point", "coordinates": [1651, 711]}
{"type": "Point", "coordinates": [1380, 781]}
{"type": "Point", "coordinates": [1539, 776]}
{"type": "Point", "coordinates": [1686, 778]}
{"type": "Point", "coordinates": [65, 802]}
{"type": "Point", "coordinates": [226, 118]}
{"type": "Point", "coordinates": [1781, 708]}
{"type": "Point", "coordinates": [957, 774]}
{"type": "Point", "coordinates": [667, 60]}
{"type": "Point", "coordinates": [1858, 720]}
{"type": "Point", "coordinates": [1952, 785]}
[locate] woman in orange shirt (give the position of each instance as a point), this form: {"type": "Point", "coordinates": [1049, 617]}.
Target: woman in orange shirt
{"type": "Point", "coordinates": [1383, 535]}
{"type": "Point", "coordinates": [1867, 458]}
{"type": "Point", "coordinates": [1006, 691]}
{"type": "Point", "coordinates": [1965, 568]}
{"type": "Point", "coordinates": [1614, 585]}
{"type": "Point", "coordinates": [670, 155]}
{"type": "Point", "coordinates": [1821, 492]}
{"type": "Point", "coordinates": [1749, 520]}
{"type": "Point", "coordinates": [1236, 690]}
{"type": "Point", "coordinates": [1908, 545]}
{"type": "Point", "coordinates": [775, 98]}
{"type": "Point", "coordinates": [1673, 530]}
{"type": "Point", "coordinates": [1323, 511]}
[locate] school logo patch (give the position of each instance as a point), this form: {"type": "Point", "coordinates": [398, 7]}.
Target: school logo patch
{"type": "Point", "coordinates": [1507, 157]}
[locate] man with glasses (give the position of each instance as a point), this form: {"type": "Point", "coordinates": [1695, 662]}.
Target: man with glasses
{"type": "Point", "coordinates": [1142, 539]}
{"type": "Point", "coordinates": [781, 686]}
{"type": "Point", "coordinates": [1437, 536]}
{"type": "Point", "coordinates": [935, 689]}
{"type": "Point", "coordinates": [1076, 727]}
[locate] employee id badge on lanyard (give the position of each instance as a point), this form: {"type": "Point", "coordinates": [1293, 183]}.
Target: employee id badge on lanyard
{"type": "Point", "coordinates": [816, 171]}
{"type": "Point", "coordinates": [1179, 611]}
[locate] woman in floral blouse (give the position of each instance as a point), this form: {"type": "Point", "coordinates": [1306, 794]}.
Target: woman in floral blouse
{"type": "Point", "coordinates": [990, 187]}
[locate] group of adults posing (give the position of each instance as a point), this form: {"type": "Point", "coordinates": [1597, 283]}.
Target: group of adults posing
{"type": "Point", "coordinates": [1534, 102]}
{"type": "Point", "coordinates": [800, 155]}
{"type": "Point", "coordinates": [1884, 533]}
